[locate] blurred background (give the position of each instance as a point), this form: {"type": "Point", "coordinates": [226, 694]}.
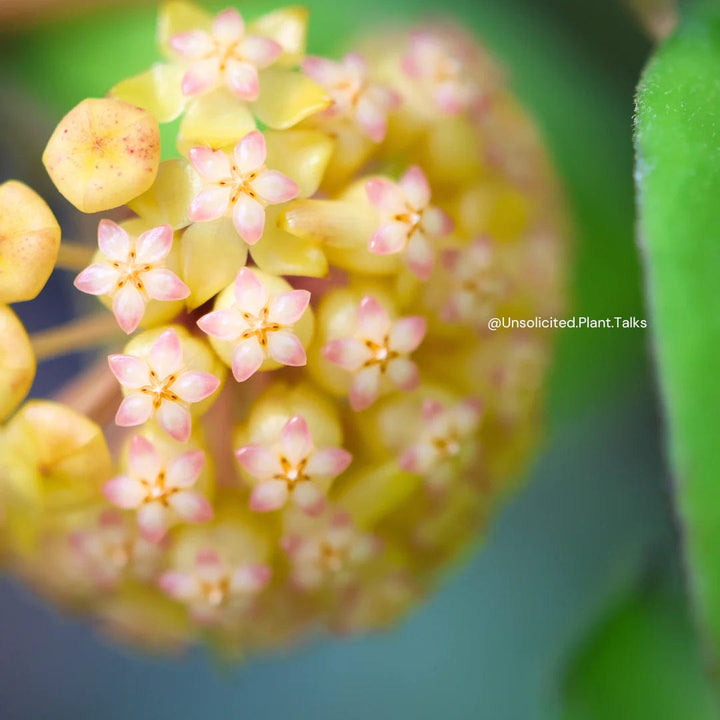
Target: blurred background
{"type": "Point", "coordinates": [573, 605]}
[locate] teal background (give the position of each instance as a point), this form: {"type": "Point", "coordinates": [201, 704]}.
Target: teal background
{"type": "Point", "coordinates": [517, 631]}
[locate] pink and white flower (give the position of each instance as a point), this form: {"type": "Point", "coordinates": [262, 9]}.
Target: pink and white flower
{"type": "Point", "coordinates": [445, 431]}
{"type": "Point", "coordinates": [132, 272]}
{"type": "Point", "coordinates": [241, 186]}
{"type": "Point", "coordinates": [378, 349]}
{"type": "Point", "coordinates": [227, 55]}
{"type": "Point", "coordinates": [432, 62]}
{"type": "Point", "coordinates": [292, 467]}
{"type": "Point", "coordinates": [475, 283]}
{"type": "Point", "coordinates": [354, 97]}
{"type": "Point", "coordinates": [160, 492]}
{"type": "Point", "coordinates": [214, 585]}
{"type": "Point", "coordinates": [160, 386]}
{"type": "Point", "coordinates": [407, 220]}
{"type": "Point", "coordinates": [328, 551]}
{"type": "Point", "coordinates": [259, 325]}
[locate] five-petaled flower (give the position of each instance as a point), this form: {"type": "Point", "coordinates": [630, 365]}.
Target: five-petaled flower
{"type": "Point", "coordinates": [432, 62]}
{"type": "Point", "coordinates": [292, 467]}
{"type": "Point", "coordinates": [407, 220]}
{"type": "Point", "coordinates": [241, 186]}
{"type": "Point", "coordinates": [225, 56]}
{"type": "Point", "coordinates": [214, 585]}
{"type": "Point", "coordinates": [326, 551]}
{"type": "Point", "coordinates": [445, 430]}
{"type": "Point", "coordinates": [160, 492]}
{"type": "Point", "coordinates": [132, 272]}
{"type": "Point", "coordinates": [259, 325]}
{"type": "Point", "coordinates": [378, 348]}
{"type": "Point", "coordinates": [159, 386]}
{"type": "Point", "coordinates": [353, 96]}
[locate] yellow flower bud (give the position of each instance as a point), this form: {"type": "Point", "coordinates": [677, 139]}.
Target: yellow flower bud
{"type": "Point", "coordinates": [17, 362]}
{"type": "Point", "coordinates": [29, 242]}
{"type": "Point", "coordinates": [103, 153]}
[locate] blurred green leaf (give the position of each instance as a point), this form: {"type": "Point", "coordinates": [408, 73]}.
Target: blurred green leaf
{"type": "Point", "coordinates": [678, 174]}
{"type": "Point", "coordinates": [642, 663]}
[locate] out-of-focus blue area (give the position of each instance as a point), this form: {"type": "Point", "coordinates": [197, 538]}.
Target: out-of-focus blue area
{"type": "Point", "coordinates": [490, 644]}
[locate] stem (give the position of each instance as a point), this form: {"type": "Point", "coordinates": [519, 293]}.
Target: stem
{"type": "Point", "coordinates": [74, 256]}
{"type": "Point", "coordinates": [95, 393]}
{"type": "Point", "coordinates": [81, 334]}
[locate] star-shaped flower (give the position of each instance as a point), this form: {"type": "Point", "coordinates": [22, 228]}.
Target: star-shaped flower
{"type": "Point", "coordinates": [353, 95]}
{"type": "Point", "coordinates": [240, 186]}
{"type": "Point", "coordinates": [131, 271]}
{"type": "Point", "coordinates": [259, 325]}
{"type": "Point", "coordinates": [293, 467]}
{"type": "Point", "coordinates": [378, 348]}
{"type": "Point", "coordinates": [432, 62]}
{"type": "Point", "coordinates": [160, 386]}
{"type": "Point", "coordinates": [445, 430]}
{"type": "Point", "coordinates": [224, 56]}
{"type": "Point", "coordinates": [214, 585]}
{"type": "Point", "coordinates": [160, 492]}
{"type": "Point", "coordinates": [407, 220]}
{"type": "Point", "coordinates": [327, 551]}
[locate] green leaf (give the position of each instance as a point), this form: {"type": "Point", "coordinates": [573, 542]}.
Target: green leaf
{"type": "Point", "coordinates": [643, 662]}
{"type": "Point", "coordinates": [678, 175]}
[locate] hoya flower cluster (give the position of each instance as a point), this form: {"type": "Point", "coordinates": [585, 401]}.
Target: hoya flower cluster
{"type": "Point", "coordinates": [310, 418]}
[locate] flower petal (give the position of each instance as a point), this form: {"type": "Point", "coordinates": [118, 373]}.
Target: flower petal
{"type": "Point", "coordinates": [210, 204]}
{"type": "Point", "coordinates": [420, 257]}
{"type": "Point", "coordinates": [184, 470]}
{"type": "Point", "coordinates": [365, 388]}
{"type": "Point", "coordinates": [372, 118]}
{"type": "Point", "coordinates": [288, 307]}
{"type": "Point", "coordinates": [144, 461]}
{"type": "Point", "coordinates": [175, 420]}
{"type": "Point", "coordinates": [385, 196]}
{"type": "Point", "coordinates": [260, 51]}
{"type": "Point", "coordinates": [192, 44]}
{"type": "Point", "coordinates": [153, 521]}
{"type": "Point", "coordinates": [274, 187]}
{"type": "Point", "coordinates": [404, 373]}
{"type": "Point", "coordinates": [164, 285]}
{"type": "Point", "coordinates": [309, 498]}
{"type": "Point", "coordinates": [97, 279]}
{"type": "Point", "coordinates": [323, 71]}
{"type": "Point", "coordinates": [348, 353]}
{"type": "Point", "coordinates": [390, 238]}
{"type": "Point", "coordinates": [113, 241]}
{"type": "Point", "coordinates": [242, 79]}
{"type": "Point", "coordinates": [128, 307]}
{"type": "Point", "coordinates": [260, 461]}
{"type": "Point", "coordinates": [178, 585]}
{"type": "Point", "coordinates": [213, 165]}
{"type": "Point", "coordinates": [407, 333]}
{"type": "Point", "coordinates": [251, 152]}
{"type": "Point", "coordinates": [248, 218]}
{"type": "Point", "coordinates": [131, 371]}
{"type": "Point", "coordinates": [247, 357]}
{"type": "Point", "coordinates": [191, 506]}
{"type": "Point", "coordinates": [415, 186]}
{"type": "Point", "coordinates": [194, 386]}
{"type": "Point", "coordinates": [250, 294]}
{"type": "Point", "coordinates": [269, 495]}
{"type": "Point", "coordinates": [135, 409]}
{"type": "Point", "coordinates": [373, 321]}
{"type": "Point", "coordinates": [437, 223]}
{"type": "Point", "coordinates": [296, 441]}
{"type": "Point", "coordinates": [250, 578]}
{"type": "Point", "coordinates": [154, 245]}
{"type": "Point", "coordinates": [226, 325]}
{"type": "Point", "coordinates": [228, 27]}
{"type": "Point", "coordinates": [124, 491]}
{"type": "Point", "coordinates": [328, 462]}
{"type": "Point", "coordinates": [166, 356]}
{"type": "Point", "coordinates": [201, 76]}
{"type": "Point", "coordinates": [285, 347]}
